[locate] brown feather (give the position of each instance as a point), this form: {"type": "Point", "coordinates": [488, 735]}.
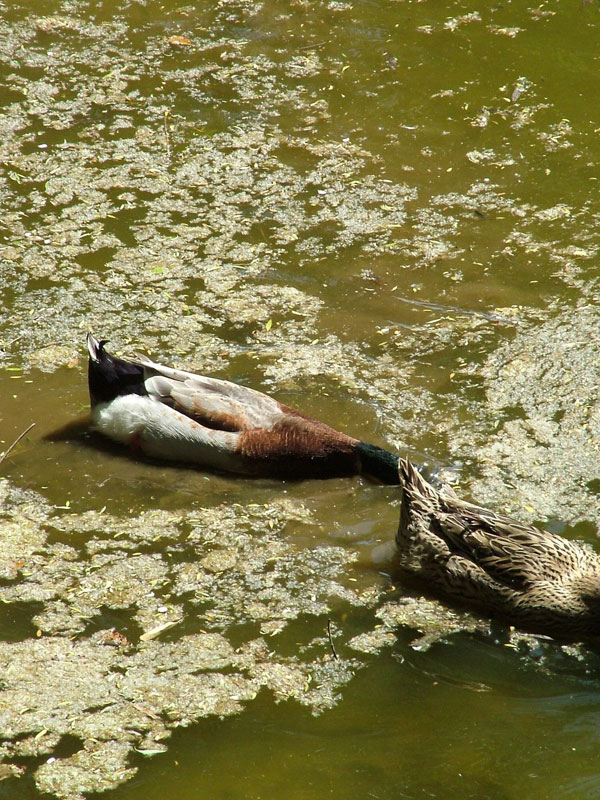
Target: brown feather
{"type": "Point", "coordinates": [536, 579]}
{"type": "Point", "coordinates": [299, 447]}
{"type": "Point", "coordinates": [218, 420]}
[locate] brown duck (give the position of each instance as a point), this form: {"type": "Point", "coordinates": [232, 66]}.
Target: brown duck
{"type": "Point", "coordinates": [536, 580]}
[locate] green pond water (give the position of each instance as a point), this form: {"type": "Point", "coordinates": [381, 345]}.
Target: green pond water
{"type": "Point", "coordinates": [385, 214]}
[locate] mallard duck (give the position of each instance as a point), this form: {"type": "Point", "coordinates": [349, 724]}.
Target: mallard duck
{"type": "Point", "coordinates": [171, 414]}
{"type": "Point", "coordinates": [539, 581]}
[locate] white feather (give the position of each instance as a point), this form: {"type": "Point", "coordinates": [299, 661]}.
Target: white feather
{"type": "Point", "coordinates": [162, 432]}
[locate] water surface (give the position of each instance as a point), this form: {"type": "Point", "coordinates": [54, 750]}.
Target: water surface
{"type": "Point", "coordinates": [385, 214]}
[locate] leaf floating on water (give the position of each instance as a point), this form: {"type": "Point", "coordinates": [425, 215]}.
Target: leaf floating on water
{"type": "Point", "coordinates": [269, 325]}
{"type": "Point", "coordinates": [146, 710]}
{"type": "Point", "coordinates": [179, 41]}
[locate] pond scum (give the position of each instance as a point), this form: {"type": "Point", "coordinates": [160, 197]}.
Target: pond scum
{"type": "Point", "coordinates": [211, 198]}
{"type": "Point", "coordinates": [112, 692]}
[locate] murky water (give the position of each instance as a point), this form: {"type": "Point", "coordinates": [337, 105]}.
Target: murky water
{"type": "Point", "coordinates": [384, 213]}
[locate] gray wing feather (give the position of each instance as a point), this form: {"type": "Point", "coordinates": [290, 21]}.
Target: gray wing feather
{"type": "Point", "coordinates": [213, 400]}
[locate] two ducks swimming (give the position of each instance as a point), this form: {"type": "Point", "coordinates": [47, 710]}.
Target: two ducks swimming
{"type": "Point", "coordinates": [470, 555]}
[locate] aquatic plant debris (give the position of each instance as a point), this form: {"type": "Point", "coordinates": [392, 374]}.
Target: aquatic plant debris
{"type": "Point", "coordinates": [541, 390]}
{"type": "Point", "coordinates": [229, 187]}
{"type": "Point", "coordinates": [114, 691]}
{"type": "Point", "coordinates": [111, 692]}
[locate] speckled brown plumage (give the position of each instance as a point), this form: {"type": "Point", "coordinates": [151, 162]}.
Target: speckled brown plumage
{"type": "Point", "coordinates": [537, 580]}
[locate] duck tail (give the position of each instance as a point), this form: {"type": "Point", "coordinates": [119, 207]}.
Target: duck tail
{"type": "Point", "coordinates": [415, 490]}
{"type": "Point", "coordinates": [418, 496]}
{"type": "Point", "coordinates": [412, 481]}
{"type": "Point", "coordinates": [108, 376]}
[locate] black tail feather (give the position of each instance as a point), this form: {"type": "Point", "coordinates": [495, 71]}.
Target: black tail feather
{"type": "Point", "coordinates": [378, 463]}
{"type": "Point", "coordinates": [109, 376]}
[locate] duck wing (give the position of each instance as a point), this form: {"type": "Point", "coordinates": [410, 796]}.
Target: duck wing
{"type": "Point", "coordinates": [215, 403]}
{"type": "Point", "coordinates": [512, 553]}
